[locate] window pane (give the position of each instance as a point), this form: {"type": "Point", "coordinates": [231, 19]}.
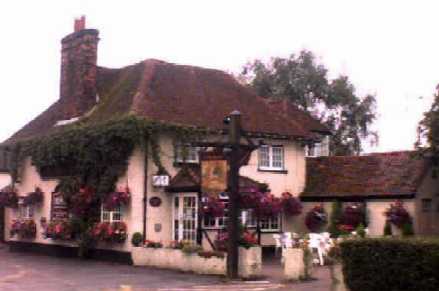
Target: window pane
{"type": "Point", "coordinates": [278, 157]}
{"type": "Point", "coordinates": [264, 157]}
{"type": "Point", "coordinates": [426, 205]}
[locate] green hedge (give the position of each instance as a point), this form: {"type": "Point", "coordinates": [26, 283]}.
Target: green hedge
{"type": "Point", "coordinates": [391, 264]}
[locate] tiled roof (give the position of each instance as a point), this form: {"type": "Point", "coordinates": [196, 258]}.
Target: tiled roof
{"type": "Point", "coordinates": [376, 175]}
{"type": "Point", "coordinates": [183, 95]}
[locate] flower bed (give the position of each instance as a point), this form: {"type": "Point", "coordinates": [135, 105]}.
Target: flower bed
{"type": "Point", "coordinates": [114, 232]}
{"type": "Point", "coordinates": [59, 230]}
{"type": "Point", "coordinates": [200, 263]}
{"type": "Point", "coordinates": [26, 229]}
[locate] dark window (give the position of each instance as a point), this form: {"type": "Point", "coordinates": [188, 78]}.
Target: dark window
{"type": "Point", "coordinates": [426, 205]}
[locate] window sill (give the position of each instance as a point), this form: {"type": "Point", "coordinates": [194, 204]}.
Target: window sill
{"type": "Point", "coordinates": [275, 171]}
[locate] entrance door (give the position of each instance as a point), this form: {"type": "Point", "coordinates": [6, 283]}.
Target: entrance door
{"type": "Point", "coordinates": [185, 217]}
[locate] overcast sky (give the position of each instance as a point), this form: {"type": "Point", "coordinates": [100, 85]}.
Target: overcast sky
{"type": "Point", "coordinates": [389, 49]}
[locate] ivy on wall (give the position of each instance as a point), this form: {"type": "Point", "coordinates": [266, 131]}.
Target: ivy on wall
{"type": "Point", "coordinates": [97, 154]}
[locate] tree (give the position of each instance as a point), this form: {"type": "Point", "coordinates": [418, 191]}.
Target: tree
{"type": "Point", "coordinates": [305, 82]}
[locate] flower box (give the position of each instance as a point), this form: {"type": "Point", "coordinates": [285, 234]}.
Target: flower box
{"type": "Point", "coordinates": [295, 267]}
{"type": "Point", "coordinates": [25, 229]}
{"type": "Point", "coordinates": [59, 230]}
{"type": "Point", "coordinates": [114, 232]}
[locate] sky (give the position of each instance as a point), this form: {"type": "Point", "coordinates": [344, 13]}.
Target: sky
{"type": "Point", "coordinates": [387, 48]}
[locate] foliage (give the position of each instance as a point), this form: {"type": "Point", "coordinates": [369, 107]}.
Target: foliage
{"type": "Point", "coordinates": [117, 198]}
{"type": "Point", "coordinates": [267, 205]}
{"type": "Point", "coordinates": [335, 218]}
{"type": "Point", "coordinates": [316, 218]}
{"type": "Point", "coordinates": [407, 229]}
{"type": "Point", "coordinates": [23, 228]}
{"type": "Point", "coordinates": [137, 239]}
{"type": "Point", "coordinates": [9, 199]}
{"type": "Point", "coordinates": [354, 215]}
{"type": "Point", "coordinates": [33, 198]}
{"type": "Point", "coordinates": [397, 214]}
{"type": "Point", "coordinates": [428, 131]}
{"type": "Point", "coordinates": [291, 205]}
{"type": "Point", "coordinates": [361, 230]}
{"type": "Point", "coordinates": [213, 207]}
{"type": "Point", "coordinates": [387, 229]}
{"type": "Point", "coordinates": [305, 82]}
{"type": "Point", "coordinates": [246, 240]}
{"type": "Point", "coordinates": [391, 264]}
{"type": "Point", "coordinates": [176, 245]}
{"type": "Point", "coordinates": [59, 230]}
{"type": "Point", "coordinates": [191, 249]}
{"type": "Point", "coordinates": [153, 244]}
{"type": "Point", "coordinates": [114, 232]}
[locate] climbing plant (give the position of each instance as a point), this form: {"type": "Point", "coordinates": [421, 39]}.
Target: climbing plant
{"type": "Point", "coordinates": [91, 157]}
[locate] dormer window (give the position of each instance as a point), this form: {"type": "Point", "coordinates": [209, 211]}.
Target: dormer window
{"type": "Point", "coordinates": [187, 154]}
{"type": "Point", "coordinates": [271, 158]}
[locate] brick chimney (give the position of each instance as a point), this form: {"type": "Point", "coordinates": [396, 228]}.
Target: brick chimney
{"type": "Point", "coordinates": [78, 69]}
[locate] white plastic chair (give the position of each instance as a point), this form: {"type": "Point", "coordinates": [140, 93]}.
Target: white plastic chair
{"type": "Point", "coordinates": [287, 241]}
{"type": "Point", "coordinates": [315, 242]}
{"type": "Point", "coordinates": [277, 240]}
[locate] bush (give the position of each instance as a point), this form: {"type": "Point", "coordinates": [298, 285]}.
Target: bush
{"type": "Point", "coordinates": [336, 214]}
{"type": "Point", "coordinates": [407, 229]}
{"type": "Point", "coordinates": [361, 231]}
{"type": "Point", "coordinates": [137, 239]}
{"type": "Point", "coordinates": [391, 264]}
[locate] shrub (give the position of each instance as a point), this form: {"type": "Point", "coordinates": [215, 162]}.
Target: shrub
{"type": "Point", "coordinates": [153, 244]}
{"type": "Point", "coordinates": [191, 249]}
{"type": "Point", "coordinates": [407, 229]}
{"type": "Point", "coordinates": [137, 239]}
{"type": "Point", "coordinates": [360, 230]}
{"type": "Point", "coordinates": [335, 218]}
{"type": "Point", "coordinates": [391, 264]}
{"type": "Point", "coordinates": [387, 228]}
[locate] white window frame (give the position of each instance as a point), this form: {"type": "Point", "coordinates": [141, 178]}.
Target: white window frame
{"type": "Point", "coordinates": [249, 219]}
{"type": "Point", "coordinates": [271, 161]}
{"type": "Point", "coordinates": [193, 155]}
{"type": "Point", "coordinates": [26, 212]}
{"type": "Point", "coordinates": [115, 215]}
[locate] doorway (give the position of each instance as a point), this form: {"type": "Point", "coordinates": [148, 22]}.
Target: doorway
{"type": "Point", "coordinates": [185, 217]}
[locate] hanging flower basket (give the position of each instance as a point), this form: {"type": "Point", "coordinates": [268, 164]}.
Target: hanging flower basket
{"type": "Point", "coordinates": [34, 198]}
{"type": "Point", "coordinates": [398, 215]}
{"type": "Point", "coordinates": [59, 230]}
{"type": "Point", "coordinates": [213, 207]}
{"type": "Point", "coordinates": [80, 202]}
{"type": "Point", "coordinates": [316, 218]}
{"type": "Point", "coordinates": [114, 232]}
{"type": "Point", "coordinates": [9, 199]}
{"type": "Point", "coordinates": [116, 199]}
{"type": "Point", "coordinates": [23, 228]}
{"type": "Point", "coordinates": [291, 205]}
{"type": "Point", "coordinates": [353, 215]}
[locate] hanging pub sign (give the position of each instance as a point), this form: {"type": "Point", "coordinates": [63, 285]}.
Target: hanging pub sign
{"type": "Point", "coordinates": [59, 209]}
{"type": "Point", "coordinates": [213, 172]}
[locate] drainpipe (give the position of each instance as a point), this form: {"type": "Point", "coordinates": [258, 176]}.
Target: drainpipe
{"type": "Point", "coordinates": [145, 190]}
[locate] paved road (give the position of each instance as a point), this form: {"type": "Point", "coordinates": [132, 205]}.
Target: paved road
{"type": "Point", "coordinates": [23, 271]}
